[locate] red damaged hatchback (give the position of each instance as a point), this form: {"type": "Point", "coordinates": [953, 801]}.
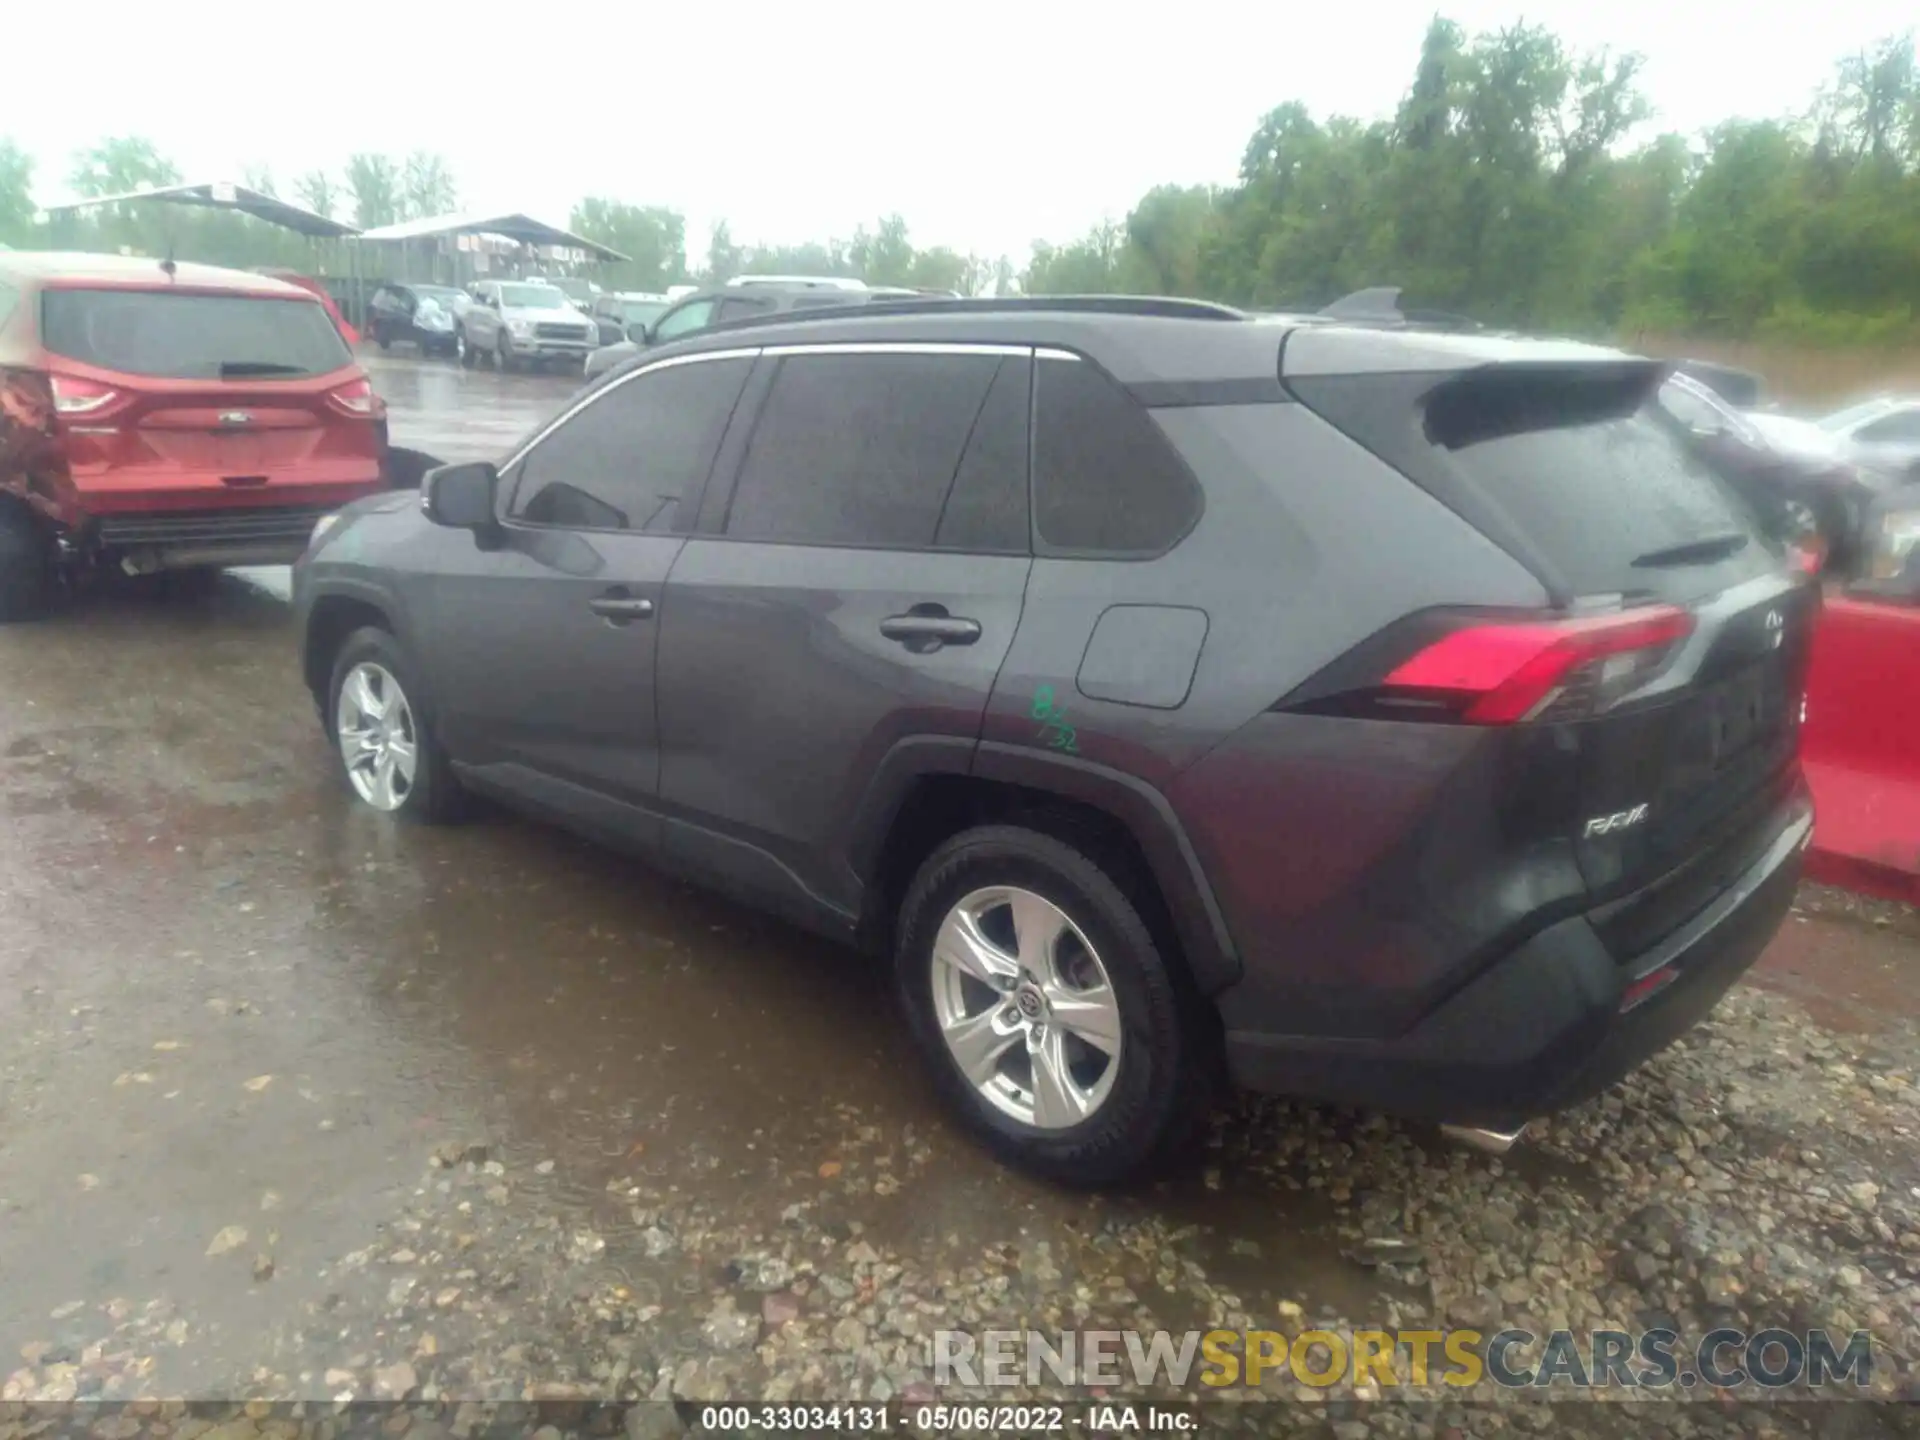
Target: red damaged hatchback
{"type": "Point", "coordinates": [169, 417]}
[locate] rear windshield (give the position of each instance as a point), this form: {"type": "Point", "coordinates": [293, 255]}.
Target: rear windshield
{"type": "Point", "coordinates": [1574, 469]}
{"type": "Point", "coordinates": [180, 335]}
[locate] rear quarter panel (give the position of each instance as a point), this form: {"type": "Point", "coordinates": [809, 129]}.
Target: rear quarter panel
{"type": "Point", "coordinates": [1311, 835]}
{"type": "Point", "coordinates": [1306, 545]}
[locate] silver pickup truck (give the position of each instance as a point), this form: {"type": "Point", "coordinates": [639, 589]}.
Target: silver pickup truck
{"type": "Point", "coordinates": [521, 322]}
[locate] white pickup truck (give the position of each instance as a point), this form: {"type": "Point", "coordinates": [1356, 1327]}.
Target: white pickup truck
{"type": "Point", "coordinates": [521, 322]}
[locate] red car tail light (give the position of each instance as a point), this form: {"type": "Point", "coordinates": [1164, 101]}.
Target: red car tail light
{"type": "Point", "coordinates": [1503, 674]}
{"type": "Point", "coordinates": [356, 398]}
{"type": "Point", "coordinates": [73, 396]}
{"type": "Point", "coordinates": [1499, 672]}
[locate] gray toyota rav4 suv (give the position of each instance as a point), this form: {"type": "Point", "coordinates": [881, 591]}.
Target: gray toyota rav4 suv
{"type": "Point", "coordinates": [1401, 719]}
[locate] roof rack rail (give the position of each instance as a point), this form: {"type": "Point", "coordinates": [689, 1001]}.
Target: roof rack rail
{"type": "Point", "coordinates": [1380, 305]}
{"type": "Point", "coordinates": [1164, 307]}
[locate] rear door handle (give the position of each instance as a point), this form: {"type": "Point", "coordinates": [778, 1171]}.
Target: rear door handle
{"type": "Point", "coordinates": [930, 631]}
{"type": "Point", "coordinates": [621, 608]}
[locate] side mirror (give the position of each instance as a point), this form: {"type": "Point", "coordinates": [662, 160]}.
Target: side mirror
{"type": "Point", "coordinates": [461, 496]}
{"type": "Point", "coordinates": [639, 335]}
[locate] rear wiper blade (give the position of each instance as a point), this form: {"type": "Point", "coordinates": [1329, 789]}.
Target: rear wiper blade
{"type": "Point", "coordinates": [232, 369]}
{"type": "Point", "coordinates": [1703, 551]}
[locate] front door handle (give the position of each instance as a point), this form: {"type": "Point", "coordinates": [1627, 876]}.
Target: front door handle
{"type": "Point", "coordinates": [620, 607]}
{"type": "Point", "coordinates": [928, 627]}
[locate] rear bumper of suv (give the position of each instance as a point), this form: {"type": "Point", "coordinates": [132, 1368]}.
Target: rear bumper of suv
{"type": "Point", "coordinates": [184, 539]}
{"type": "Point", "coordinates": [1552, 1024]}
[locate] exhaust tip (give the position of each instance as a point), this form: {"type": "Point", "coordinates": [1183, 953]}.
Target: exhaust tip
{"type": "Point", "coordinates": [1491, 1142]}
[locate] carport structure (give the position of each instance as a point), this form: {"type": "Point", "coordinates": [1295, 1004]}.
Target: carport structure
{"type": "Point", "coordinates": [334, 262]}
{"type": "Point", "coordinates": [432, 234]}
{"type": "Point", "coordinates": [225, 195]}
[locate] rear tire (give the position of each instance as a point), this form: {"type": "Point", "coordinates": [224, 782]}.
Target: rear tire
{"type": "Point", "coordinates": [432, 793]}
{"type": "Point", "coordinates": [27, 570]}
{"type": "Point", "coordinates": [1139, 1120]}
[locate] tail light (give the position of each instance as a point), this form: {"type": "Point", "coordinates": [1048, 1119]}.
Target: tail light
{"type": "Point", "coordinates": [1501, 672]}
{"type": "Point", "coordinates": [72, 396]}
{"type": "Point", "coordinates": [356, 398]}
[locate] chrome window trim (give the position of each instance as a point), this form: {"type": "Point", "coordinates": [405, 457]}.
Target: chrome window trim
{"type": "Point", "coordinates": [828, 347]}
{"type": "Point", "coordinates": [900, 347]}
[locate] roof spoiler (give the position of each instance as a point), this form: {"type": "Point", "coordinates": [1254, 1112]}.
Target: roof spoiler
{"type": "Point", "coordinates": [1380, 305]}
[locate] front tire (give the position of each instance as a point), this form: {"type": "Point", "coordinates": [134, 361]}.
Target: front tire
{"type": "Point", "coordinates": [463, 352]}
{"type": "Point", "coordinates": [502, 355]}
{"type": "Point", "coordinates": [27, 569]}
{"type": "Point", "coordinates": [379, 719]}
{"type": "Point", "coordinates": [1049, 1017]}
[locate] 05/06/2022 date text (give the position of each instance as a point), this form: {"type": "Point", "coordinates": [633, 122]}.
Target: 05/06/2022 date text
{"type": "Point", "coordinates": [1102, 1417]}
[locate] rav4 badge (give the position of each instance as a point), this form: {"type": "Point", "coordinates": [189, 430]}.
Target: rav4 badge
{"type": "Point", "coordinates": [1619, 820]}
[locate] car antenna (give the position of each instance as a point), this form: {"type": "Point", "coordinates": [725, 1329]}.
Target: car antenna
{"type": "Point", "coordinates": [167, 267]}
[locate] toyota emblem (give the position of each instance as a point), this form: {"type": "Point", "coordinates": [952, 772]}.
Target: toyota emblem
{"type": "Point", "coordinates": [236, 417]}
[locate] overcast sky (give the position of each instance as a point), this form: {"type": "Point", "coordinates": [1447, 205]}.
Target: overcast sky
{"type": "Point", "coordinates": [986, 124]}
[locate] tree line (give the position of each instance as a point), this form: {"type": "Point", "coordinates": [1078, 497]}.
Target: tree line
{"type": "Point", "coordinates": [1514, 182]}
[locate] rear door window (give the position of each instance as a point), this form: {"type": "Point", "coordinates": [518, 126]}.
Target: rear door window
{"type": "Point", "coordinates": [181, 335]}
{"type": "Point", "coordinates": [986, 507]}
{"type": "Point", "coordinates": [1573, 468]}
{"type": "Point", "coordinates": [741, 307]}
{"type": "Point", "coordinates": [865, 449]}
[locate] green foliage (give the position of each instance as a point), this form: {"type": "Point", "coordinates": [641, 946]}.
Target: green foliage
{"type": "Point", "coordinates": [1507, 187]}
{"type": "Point", "coordinates": [119, 164]}
{"type": "Point", "coordinates": [1514, 182]}
{"type": "Point", "coordinates": [654, 240]}
{"type": "Point", "coordinates": [374, 183]}
{"type": "Point", "coordinates": [16, 195]}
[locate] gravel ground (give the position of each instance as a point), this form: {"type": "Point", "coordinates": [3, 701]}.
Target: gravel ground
{"type": "Point", "coordinates": [1762, 1172]}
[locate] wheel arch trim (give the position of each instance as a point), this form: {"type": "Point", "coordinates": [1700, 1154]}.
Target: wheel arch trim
{"type": "Point", "coordinates": [1146, 815]}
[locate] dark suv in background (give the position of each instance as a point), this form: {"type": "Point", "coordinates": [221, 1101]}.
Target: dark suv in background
{"type": "Point", "coordinates": [755, 300]}
{"type": "Point", "coordinates": [1397, 719]}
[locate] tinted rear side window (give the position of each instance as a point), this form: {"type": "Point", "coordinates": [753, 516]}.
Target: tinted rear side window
{"type": "Point", "coordinates": [1104, 477]}
{"type": "Point", "coordinates": [738, 307]}
{"type": "Point", "coordinates": [1574, 468]}
{"type": "Point", "coordinates": [859, 449]}
{"type": "Point", "coordinates": [180, 335]}
{"type": "Point", "coordinates": [986, 508]}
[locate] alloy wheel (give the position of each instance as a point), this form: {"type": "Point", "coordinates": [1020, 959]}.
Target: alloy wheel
{"type": "Point", "coordinates": [379, 743]}
{"type": "Point", "coordinates": [1026, 1008]}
